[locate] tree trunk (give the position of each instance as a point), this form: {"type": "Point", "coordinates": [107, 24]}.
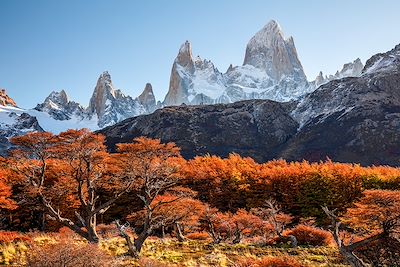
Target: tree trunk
{"type": "Point", "coordinates": [352, 259]}
{"type": "Point", "coordinates": [91, 229]}
{"type": "Point", "coordinates": [178, 232]}
{"type": "Point", "coordinates": [162, 232]}
{"type": "Point", "coordinates": [238, 237]}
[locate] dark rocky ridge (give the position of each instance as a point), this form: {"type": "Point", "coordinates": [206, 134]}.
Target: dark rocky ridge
{"type": "Point", "coordinates": [256, 128]}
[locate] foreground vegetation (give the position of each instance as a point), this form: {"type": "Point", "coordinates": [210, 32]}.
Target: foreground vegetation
{"type": "Point", "coordinates": [156, 252]}
{"type": "Point", "coordinates": [207, 211]}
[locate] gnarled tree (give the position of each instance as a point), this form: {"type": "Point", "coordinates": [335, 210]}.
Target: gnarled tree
{"type": "Point", "coordinates": [376, 216]}
{"type": "Point", "coordinates": [66, 172]}
{"type": "Point", "coordinates": [155, 173]}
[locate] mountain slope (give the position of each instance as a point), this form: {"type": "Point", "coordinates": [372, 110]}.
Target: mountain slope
{"type": "Point", "coordinates": [241, 127]}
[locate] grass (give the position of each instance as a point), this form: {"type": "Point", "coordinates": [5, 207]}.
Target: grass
{"type": "Point", "coordinates": [192, 253]}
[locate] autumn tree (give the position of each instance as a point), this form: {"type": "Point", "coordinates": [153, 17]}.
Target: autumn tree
{"type": "Point", "coordinates": [177, 213]}
{"type": "Point", "coordinates": [376, 216]}
{"type": "Point", "coordinates": [217, 224]}
{"type": "Point", "coordinates": [275, 219]}
{"type": "Point", "coordinates": [246, 224]}
{"type": "Point", "coordinates": [6, 203]}
{"type": "Point", "coordinates": [66, 172]}
{"type": "Point", "coordinates": [155, 173]}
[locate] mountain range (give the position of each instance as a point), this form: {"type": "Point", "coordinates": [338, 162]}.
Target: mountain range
{"type": "Point", "coordinates": [265, 108]}
{"type": "Point", "coordinates": [353, 119]}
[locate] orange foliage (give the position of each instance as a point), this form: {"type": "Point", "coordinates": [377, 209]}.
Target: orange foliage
{"type": "Point", "coordinates": [6, 202]}
{"type": "Point", "coordinates": [9, 237]}
{"type": "Point", "coordinates": [308, 235]}
{"type": "Point", "coordinates": [198, 236]}
{"type": "Point", "coordinates": [376, 210]}
{"type": "Point", "coordinates": [268, 262]}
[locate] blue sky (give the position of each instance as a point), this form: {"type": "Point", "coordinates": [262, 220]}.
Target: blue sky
{"type": "Point", "coordinates": [50, 45]}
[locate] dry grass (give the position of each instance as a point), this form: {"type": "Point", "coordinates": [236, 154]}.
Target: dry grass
{"type": "Point", "coordinates": [192, 253]}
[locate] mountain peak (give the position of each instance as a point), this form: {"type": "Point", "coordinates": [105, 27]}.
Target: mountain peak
{"type": "Point", "coordinates": [5, 100]}
{"type": "Point", "coordinates": [270, 52]}
{"type": "Point", "coordinates": [147, 98]}
{"type": "Point", "coordinates": [185, 57]}
{"type": "Point", "coordinates": [272, 27]}
{"type": "Point", "coordinates": [103, 91]}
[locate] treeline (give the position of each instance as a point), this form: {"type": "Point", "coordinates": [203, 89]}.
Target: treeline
{"type": "Point", "coordinates": [146, 187]}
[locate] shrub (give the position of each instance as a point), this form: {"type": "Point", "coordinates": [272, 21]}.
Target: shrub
{"type": "Point", "coordinates": [67, 254]}
{"type": "Point", "coordinates": [308, 235]}
{"type": "Point", "coordinates": [10, 237]}
{"type": "Point", "coordinates": [147, 262]}
{"type": "Point", "coordinates": [268, 262]}
{"type": "Point", "coordinates": [198, 236]}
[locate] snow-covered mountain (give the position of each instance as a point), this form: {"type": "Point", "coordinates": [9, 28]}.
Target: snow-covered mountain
{"type": "Point", "coordinates": [13, 121]}
{"type": "Point", "coordinates": [271, 70]}
{"type": "Point", "coordinates": [107, 106]}
{"type": "Point", "coordinates": [351, 69]}
{"type": "Point", "coordinates": [110, 105]}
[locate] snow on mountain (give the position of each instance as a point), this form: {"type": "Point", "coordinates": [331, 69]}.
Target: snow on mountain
{"type": "Point", "coordinates": [59, 107]}
{"type": "Point", "coordinates": [111, 105]}
{"type": "Point", "coordinates": [13, 121]}
{"type": "Point", "coordinates": [271, 70]}
{"type": "Point", "coordinates": [107, 106]}
{"type": "Point", "coordinates": [351, 69]}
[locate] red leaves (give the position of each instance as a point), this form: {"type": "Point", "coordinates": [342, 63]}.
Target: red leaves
{"type": "Point", "coordinates": [376, 210]}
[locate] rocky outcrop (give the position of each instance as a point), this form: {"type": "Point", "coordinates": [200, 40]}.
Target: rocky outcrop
{"type": "Point", "coordinates": [5, 100]}
{"type": "Point", "coordinates": [353, 119]}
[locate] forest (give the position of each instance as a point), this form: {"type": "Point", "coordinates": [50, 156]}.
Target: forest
{"type": "Point", "coordinates": [66, 201]}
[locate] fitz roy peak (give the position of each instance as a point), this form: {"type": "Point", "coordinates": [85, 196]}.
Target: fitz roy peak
{"type": "Point", "coordinates": [271, 70]}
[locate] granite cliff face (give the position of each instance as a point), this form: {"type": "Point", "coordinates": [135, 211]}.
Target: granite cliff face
{"type": "Point", "coordinates": [353, 119]}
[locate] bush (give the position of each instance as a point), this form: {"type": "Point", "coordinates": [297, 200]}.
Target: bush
{"type": "Point", "coordinates": [198, 236]}
{"type": "Point", "coordinates": [308, 235]}
{"type": "Point", "coordinates": [10, 237]}
{"type": "Point", "coordinates": [67, 254]}
{"type": "Point", "coordinates": [268, 262]}
{"type": "Point", "coordinates": [146, 262]}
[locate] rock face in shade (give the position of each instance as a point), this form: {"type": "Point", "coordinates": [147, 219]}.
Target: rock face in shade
{"type": "Point", "coordinates": [353, 119]}
{"type": "Point", "coordinates": [255, 128]}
